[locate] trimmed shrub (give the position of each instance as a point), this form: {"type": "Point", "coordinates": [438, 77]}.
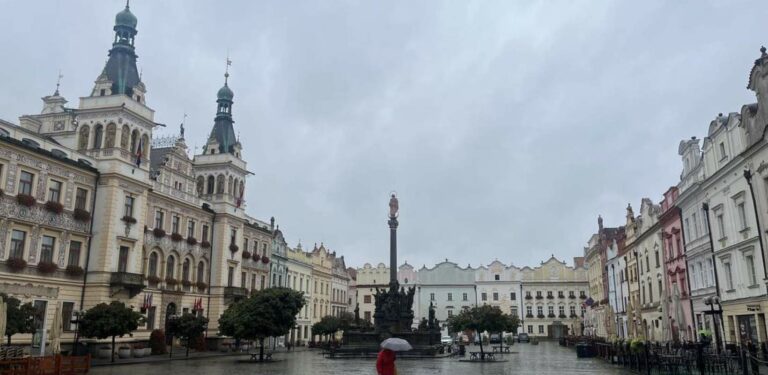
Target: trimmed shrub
{"type": "Point", "coordinates": [157, 342]}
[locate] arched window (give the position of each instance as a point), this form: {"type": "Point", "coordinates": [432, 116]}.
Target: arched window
{"type": "Point", "coordinates": [152, 267]}
{"type": "Point", "coordinates": [145, 147]}
{"type": "Point", "coordinates": [169, 266]}
{"type": "Point", "coordinates": [85, 132]}
{"type": "Point", "coordinates": [98, 133]}
{"type": "Point", "coordinates": [220, 184]}
{"type": "Point", "coordinates": [134, 140]}
{"type": "Point", "coordinates": [236, 188]}
{"type": "Point", "coordinates": [201, 272]}
{"type": "Point", "coordinates": [185, 270]}
{"type": "Point", "coordinates": [111, 134]}
{"type": "Point", "coordinates": [200, 185]}
{"type": "Point", "coordinates": [125, 134]}
{"type": "Point", "coordinates": [211, 183]}
{"type": "Point", "coordinates": [230, 186]}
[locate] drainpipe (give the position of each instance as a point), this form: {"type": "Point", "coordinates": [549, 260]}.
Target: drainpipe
{"type": "Point", "coordinates": [87, 257]}
{"type": "Point", "coordinates": [705, 207]}
{"type": "Point", "coordinates": [748, 176]}
{"type": "Point", "coordinates": [687, 275]}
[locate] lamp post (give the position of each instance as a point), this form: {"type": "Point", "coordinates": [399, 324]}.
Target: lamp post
{"type": "Point", "coordinates": [711, 301]}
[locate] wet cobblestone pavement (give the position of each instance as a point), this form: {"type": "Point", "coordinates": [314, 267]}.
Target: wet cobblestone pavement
{"type": "Point", "coordinates": [545, 358]}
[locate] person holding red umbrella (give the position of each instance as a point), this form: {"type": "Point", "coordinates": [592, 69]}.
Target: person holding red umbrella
{"type": "Point", "coordinates": [385, 363]}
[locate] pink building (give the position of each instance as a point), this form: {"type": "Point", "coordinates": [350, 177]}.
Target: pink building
{"type": "Point", "coordinates": [678, 303]}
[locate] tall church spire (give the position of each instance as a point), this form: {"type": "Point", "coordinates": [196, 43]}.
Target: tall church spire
{"type": "Point", "coordinates": [121, 69]}
{"type": "Point", "coordinates": [223, 130]}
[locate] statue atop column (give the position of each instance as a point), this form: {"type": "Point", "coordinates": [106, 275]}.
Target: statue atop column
{"type": "Point", "coordinates": [394, 206]}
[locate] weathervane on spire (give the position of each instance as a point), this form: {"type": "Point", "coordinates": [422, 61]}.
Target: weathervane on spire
{"type": "Point", "coordinates": [226, 69]}
{"type": "Point", "coordinates": [58, 82]}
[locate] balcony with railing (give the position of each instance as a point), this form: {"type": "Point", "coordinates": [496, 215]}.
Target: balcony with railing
{"type": "Point", "coordinates": [132, 282]}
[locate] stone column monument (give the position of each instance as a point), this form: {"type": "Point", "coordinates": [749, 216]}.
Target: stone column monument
{"type": "Point", "coordinates": [394, 207]}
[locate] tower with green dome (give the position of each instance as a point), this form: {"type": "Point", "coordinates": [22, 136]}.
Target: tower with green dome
{"type": "Point", "coordinates": [120, 74]}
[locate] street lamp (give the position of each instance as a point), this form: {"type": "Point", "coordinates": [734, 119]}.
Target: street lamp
{"type": "Point", "coordinates": [711, 301]}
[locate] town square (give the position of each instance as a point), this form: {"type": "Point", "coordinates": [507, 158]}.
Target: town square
{"type": "Point", "coordinates": [266, 187]}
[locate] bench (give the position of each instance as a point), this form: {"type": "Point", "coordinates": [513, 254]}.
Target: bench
{"type": "Point", "coordinates": [474, 356]}
{"type": "Point", "coordinates": [267, 356]}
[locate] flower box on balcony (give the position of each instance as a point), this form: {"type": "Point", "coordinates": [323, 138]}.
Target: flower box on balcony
{"type": "Point", "coordinates": [54, 207]}
{"type": "Point", "coordinates": [233, 248]}
{"type": "Point", "coordinates": [175, 237]}
{"type": "Point", "coordinates": [539, 297]}
{"type": "Point", "coordinates": [540, 316]}
{"type": "Point", "coordinates": [192, 241]}
{"type": "Point", "coordinates": [82, 215]}
{"type": "Point", "coordinates": [246, 254]}
{"type": "Point", "coordinates": [528, 297]}
{"type": "Point", "coordinates": [186, 283]}
{"type": "Point", "coordinates": [265, 259]}
{"type": "Point", "coordinates": [158, 232]}
{"type": "Point", "coordinates": [256, 257]}
{"type": "Point", "coordinates": [47, 267]}
{"type": "Point", "coordinates": [16, 264]}
{"type": "Point", "coordinates": [561, 316]}
{"type": "Point", "coordinates": [572, 296]}
{"type": "Point", "coordinates": [550, 315]}
{"type": "Point", "coordinates": [75, 270]}
{"type": "Point", "coordinates": [205, 244]}
{"type": "Point", "coordinates": [561, 296]}
{"type": "Point", "coordinates": [574, 316]}
{"type": "Point", "coordinates": [153, 279]}
{"type": "Point", "coordinates": [529, 315]}
{"type": "Point", "coordinates": [550, 297]}
{"type": "Point", "coordinates": [201, 285]}
{"type": "Point", "coordinates": [583, 296]}
{"type": "Point", "coordinates": [171, 281]}
{"type": "Point", "coordinates": [128, 219]}
{"type": "Point", "coordinates": [25, 200]}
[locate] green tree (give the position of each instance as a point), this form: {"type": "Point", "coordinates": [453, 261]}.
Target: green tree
{"type": "Point", "coordinates": [266, 313]}
{"type": "Point", "coordinates": [483, 318]}
{"type": "Point", "coordinates": [329, 325]}
{"type": "Point", "coordinates": [20, 317]}
{"type": "Point", "coordinates": [109, 320]}
{"type": "Point", "coordinates": [187, 327]}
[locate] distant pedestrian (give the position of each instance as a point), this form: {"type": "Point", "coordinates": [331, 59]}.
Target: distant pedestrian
{"type": "Point", "coordinates": [385, 363]}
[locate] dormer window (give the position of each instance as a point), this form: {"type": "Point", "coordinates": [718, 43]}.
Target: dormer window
{"type": "Point", "coordinates": [138, 98]}
{"type": "Point", "coordinates": [102, 92]}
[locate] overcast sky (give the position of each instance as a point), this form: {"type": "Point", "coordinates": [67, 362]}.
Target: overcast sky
{"type": "Point", "coordinates": [504, 127]}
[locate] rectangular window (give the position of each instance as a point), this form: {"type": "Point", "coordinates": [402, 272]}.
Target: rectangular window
{"type": "Point", "coordinates": [551, 310]}
{"type": "Point", "coordinates": [253, 282]}
{"type": "Point", "coordinates": [561, 310]}
{"type": "Point", "coordinates": [722, 150]}
{"type": "Point", "coordinates": [128, 211]}
{"type": "Point", "coordinates": [159, 218]}
{"type": "Point", "coordinates": [720, 224]}
{"type": "Point", "coordinates": [263, 281]}
{"type": "Point", "coordinates": [728, 275]}
{"type": "Point", "coordinates": [81, 198]}
{"type": "Point", "coordinates": [688, 226]}
{"type": "Point", "coordinates": [695, 226]}
{"type": "Point", "coordinates": [573, 310]}
{"type": "Point", "coordinates": [245, 244]}
{"type": "Point", "coordinates": [431, 296]}
{"type": "Point", "coordinates": [742, 215]}
{"type": "Point", "coordinates": [464, 296]}
{"type": "Point", "coordinates": [539, 311]}
{"type": "Point", "coordinates": [26, 182]}
{"type": "Point", "coordinates": [656, 254]}
{"type": "Point", "coordinates": [66, 315]}
{"type": "Point", "coordinates": [233, 236]}
{"type": "Point", "coordinates": [484, 296]}
{"type": "Point", "coordinates": [529, 310]}
{"type": "Point", "coordinates": [18, 238]}
{"type": "Point", "coordinates": [495, 296]}
{"type": "Point", "coordinates": [541, 329]}
{"type": "Point", "coordinates": [46, 249]}
{"type": "Point", "coordinates": [54, 191]}
{"type": "Point", "coordinates": [151, 317]}
{"type": "Point", "coordinates": [175, 224]}
{"type": "Point", "coordinates": [367, 316]}
{"type": "Point", "coordinates": [750, 260]}
{"type": "Point", "coordinates": [513, 310]}
{"type": "Point", "coordinates": [450, 313]}
{"type": "Point", "coordinates": [74, 253]}
{"type": "Point", "coordinates": [243, 278]}
{"type": "Point", "coordinates": [366, 298]}
{"type": "Point", "coordinates": [190, 228]}
{"type": "Point", "coordinates": [122, 262]}
{"type": "Point", "coordinates": [512, 296]}
{"type": "Point", "coordinates": [205, 232]}
{"type": "Point", "coordinates": [530, 328]}
{"type": "Point", "coordinates": [230, 276]}
{"type": "Point", "coordinates": [450, 296]}
{"type": "Point", "coordinates": [538, 294]}
{"type": "Point", "coordinates": [496, 277]}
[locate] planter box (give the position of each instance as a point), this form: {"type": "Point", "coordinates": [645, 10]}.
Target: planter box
{"type": "Point", "coordinates": [124, 353]}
